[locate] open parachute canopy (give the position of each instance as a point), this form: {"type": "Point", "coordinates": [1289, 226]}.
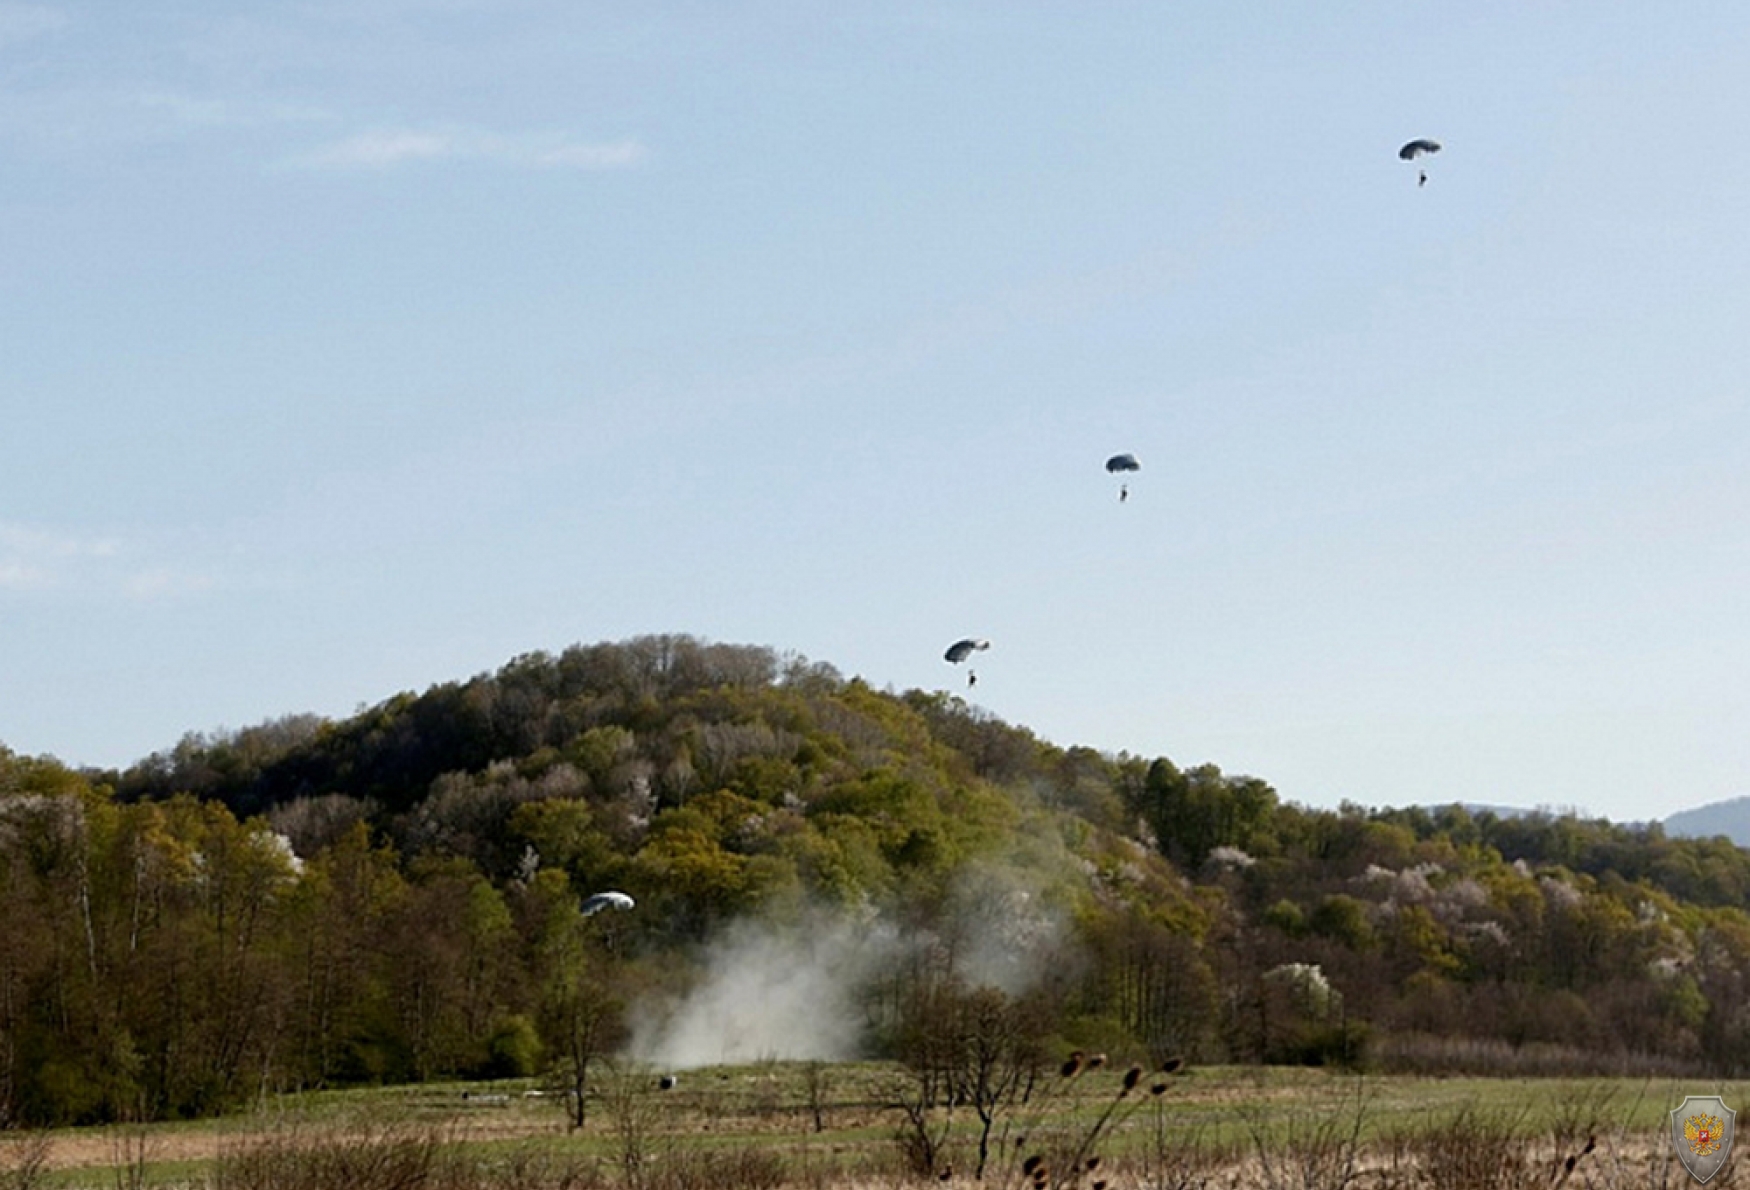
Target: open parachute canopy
{"type": "Point", "coordinates": [1123, 462]}
{"type": "Point", "coordinates": [605, 900]}
{"type": "Point", "coordinates": [960, 650]}
{"type": "Point", "coordinates": [1418, 148]}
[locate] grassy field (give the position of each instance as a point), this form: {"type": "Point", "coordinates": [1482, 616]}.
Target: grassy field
{"type": "Point", "coordinates": [791, 1124]}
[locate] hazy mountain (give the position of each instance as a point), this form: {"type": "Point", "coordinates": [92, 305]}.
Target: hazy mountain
{"type": "Point", "coordinates": [1730, 818]}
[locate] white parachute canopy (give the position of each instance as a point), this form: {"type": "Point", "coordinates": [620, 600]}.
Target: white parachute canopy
{"type": "Point", "coordinates": [606, 900]}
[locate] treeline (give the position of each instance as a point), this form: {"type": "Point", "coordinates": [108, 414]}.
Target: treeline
{"type": "Point", "coordinates": [394, 896]}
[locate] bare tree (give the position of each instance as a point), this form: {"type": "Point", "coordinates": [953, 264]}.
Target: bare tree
{"type": "Point", "coordinates": [585, 1026]}
{"type": "Point", "coordinates": [814, 1087]}
{"type": "Point", "coordinates": [977, 1047]}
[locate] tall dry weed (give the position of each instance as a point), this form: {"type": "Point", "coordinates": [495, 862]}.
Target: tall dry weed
{"type": "Point", "coordinates": [1318, 1150]}
{"type": "Point", "coordinates": [130, 1147]}
{"type": "Point", "coordinates": [1033, 1155]}
{"type": "Point", "coordinates": [1184, 1158]}
{"type": "Point", "coordinates": [633, 1113]}
{"type": "Point", "coordinates": [24, 1159]}
{"type": "Point", "coordinates": [536, 1167]}
{"type": "Point", "coordinates": [368, 1156]}
{"type": "Point", "coordinates": [711, 1169]}
{"type": "Point", "coordinates": [1472, 1150]}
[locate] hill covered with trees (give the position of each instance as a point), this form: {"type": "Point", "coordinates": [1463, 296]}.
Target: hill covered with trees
{"type": "Point", "coordinates": [395, 896]}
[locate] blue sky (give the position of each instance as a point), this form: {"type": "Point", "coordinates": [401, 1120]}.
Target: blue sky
{"type": "Point", "coordinates": [348, 347]}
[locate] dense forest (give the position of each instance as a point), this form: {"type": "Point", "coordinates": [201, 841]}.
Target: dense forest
{"type": "Point", "coordinates": [396, 896]}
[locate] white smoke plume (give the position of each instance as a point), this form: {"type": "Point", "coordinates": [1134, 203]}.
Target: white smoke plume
{"type": "Point", "coordinates": [1001, 932]}
{"type": "Point", "coordinates": [769, 992]}
{"type": "Point", "coordinates": [795, 991]}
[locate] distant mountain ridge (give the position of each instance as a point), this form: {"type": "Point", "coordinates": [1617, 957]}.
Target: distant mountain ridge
{"type": "Point", "coordinates": [1730, 818]}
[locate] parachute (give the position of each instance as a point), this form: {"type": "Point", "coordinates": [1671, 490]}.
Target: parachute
{"type": "Point", "coordinates": [1122, 465]}
{"type": "Point", "coordinates": [960, 650]}
{"type": "Point", "coordinates": [606, 900]}
{"type": "Point", "coordinates": [1415, 149]}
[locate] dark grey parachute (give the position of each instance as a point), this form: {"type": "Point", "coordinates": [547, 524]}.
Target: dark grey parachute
{"type": "Point", "coordinates": [1418, 148]}
{"type": "Point", "coordinates": [605, 900]}
{"type": "Point", "coordinates": [1123, 462]}
{"type": "Point", "coordinates": [960, 650]}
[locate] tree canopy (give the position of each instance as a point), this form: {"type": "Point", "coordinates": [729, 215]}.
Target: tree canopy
{"type": "Point", "coordinates": [394, 896]}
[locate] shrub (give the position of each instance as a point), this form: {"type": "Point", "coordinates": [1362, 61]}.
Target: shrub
{"type": "Point", "coordinates": [515, 1049]}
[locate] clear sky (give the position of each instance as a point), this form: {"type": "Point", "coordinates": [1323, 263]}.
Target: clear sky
{"type": "Point", "coordinates": [349, 346]}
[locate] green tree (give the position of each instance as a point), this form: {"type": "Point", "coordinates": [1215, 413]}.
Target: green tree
{"type": "Point", "coordinates": [345, 1029]}
{"type": "Point", "coordinates": [1343, 919]}
{"type": "Point", "coordinates": [1192, 813]}
{"type": "Point", "coordinates": [449, 944]}
{"type": "Point", "coordinates": [580, 1010]}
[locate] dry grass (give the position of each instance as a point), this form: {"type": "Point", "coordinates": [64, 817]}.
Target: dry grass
{"type": "Point", "coordinates": [761, 1127]}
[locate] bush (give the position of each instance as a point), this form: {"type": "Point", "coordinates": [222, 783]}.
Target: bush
{"type": "Point", "coordinates": [380, 1158]}
{"type": "Point", "coordinates": [1424, 1054]}
{"type": "Point", "coordinates": [515, 1049]}
{"type": "Point", "coordinates": [1336, 1045]}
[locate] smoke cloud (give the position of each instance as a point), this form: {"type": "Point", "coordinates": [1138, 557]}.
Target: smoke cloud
{"type": "Point", "coordinates": [769, 992]}
{"type": "Point", "coordinates": [795, 991]}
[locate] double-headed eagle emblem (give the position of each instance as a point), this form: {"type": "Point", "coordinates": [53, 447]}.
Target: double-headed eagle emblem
{"type": "Point", "coordinates": [1703, 1134]}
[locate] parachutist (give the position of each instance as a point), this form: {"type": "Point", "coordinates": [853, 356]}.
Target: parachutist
{"type": "Point", "coordinates": [960, 650]}
{"type": "Point", "coordinates": [1415, 149]}
{"type": "Point", "coordinates": [1122, 463]}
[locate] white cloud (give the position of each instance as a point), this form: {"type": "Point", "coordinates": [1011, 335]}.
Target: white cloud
{"type": "Point", "coordinates": [36, 559]}
{"type": "Point", "coordinates": [161, 582]}
{"type": "Point", "coordinates": [185, 109]}
{"type": "Point", "coordinates": [617, 155]}
{"type": "Point", "coordinates": [179, 109]}
{"type": "Point", "coordinates": [83, 117]}
{"type": "Point", "coordinates": [19, 22]}
{"type": "Point", "coordinates": [33, 559]}
{"type": "Point", "coordinates": [20, 576]}
{"type": "Point", "coordinates": [384, 148]}
{"type": "Point", "coordinates": [378, 149]}
{"type": "Point", "coordinates": [28, 541]}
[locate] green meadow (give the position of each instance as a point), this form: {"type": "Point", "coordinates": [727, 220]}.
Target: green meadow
{"type": "Point", "coordinates": [781, 1124]}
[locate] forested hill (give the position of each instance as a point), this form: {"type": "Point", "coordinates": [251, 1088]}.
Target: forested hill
{"type": "Point", "coordinates": [386, 897]}
{"type": "Point", "coordinates": [646, 726]}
